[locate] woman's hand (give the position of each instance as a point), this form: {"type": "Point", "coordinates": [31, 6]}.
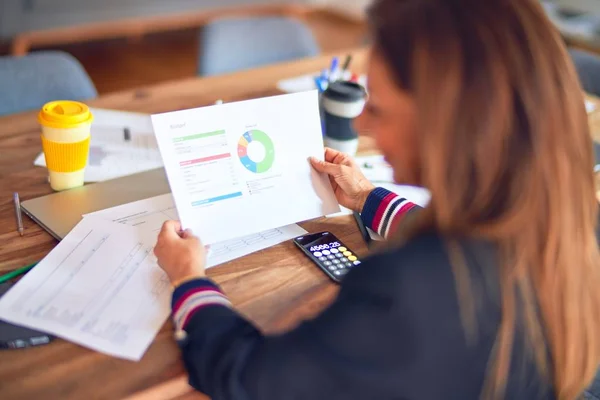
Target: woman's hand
{"type": "Point", "coordinates": [350, 186]}
{"type": "Point", "coordinates": [180, 254]}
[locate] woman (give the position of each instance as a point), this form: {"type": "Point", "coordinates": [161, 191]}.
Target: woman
{"type": "Point", "coordinates": [489, 292]}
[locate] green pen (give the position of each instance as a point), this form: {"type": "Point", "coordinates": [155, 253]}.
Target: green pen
{"type": "Point", "coordinates": [17, 272]}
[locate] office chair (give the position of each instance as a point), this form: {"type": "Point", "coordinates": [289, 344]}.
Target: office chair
{"type": "Point", "coordinates": [28, 82]}
{"type": "Point", "coordinates": [233, 44]}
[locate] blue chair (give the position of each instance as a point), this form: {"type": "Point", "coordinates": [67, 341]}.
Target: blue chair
{"type": "Point", "coordinates": [588, 69]}
{"type": "Point", "coordinates": [28, 82]}
{"type": "Point", "coordinates": [234, 44]}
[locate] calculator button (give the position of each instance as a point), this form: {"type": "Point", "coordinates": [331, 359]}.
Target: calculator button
{"type": "Point", "coordinates": [342, 249]}
{"type": "Point", "coordinates": [347, 253]}
{"type": "Point", "coordinates": [326, 252]}
{"type": "Point", "coordinates": [333, 251]}
{"type": "Point", "coordinates": [336, 261]}
{"type": "Point", "coordinates": [318, 254]}
{"type": "Point", "coordinates": [357, 262]}
{"type": "Point", "coordinates": [330, 257]}
{"type": "Point", "coordinates": [352, 258]}
{"type": "Point", "coordinates": [338, 273]}
{"type": "Point", "coordinates": [332, 268]}
{"type": "Point", "coordinates": [348, 265]}
{"type": "Point", "coordinates": [344, 259]}
{"type": "Point", "coordinates": [339, 255]}
{"type": "Point", "coordinates": [327, 263]}
{"type": "Point", "coordinates": [322, 258]}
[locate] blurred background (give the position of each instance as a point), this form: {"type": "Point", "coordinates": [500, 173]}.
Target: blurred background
{"type": "Point", "coordinates": [128, 43]}
{"type": "Point", "coordinates": [123, 44]}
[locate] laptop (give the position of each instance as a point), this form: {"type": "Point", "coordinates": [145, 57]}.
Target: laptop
{"type": "Point", "coordinates": [58, 213]}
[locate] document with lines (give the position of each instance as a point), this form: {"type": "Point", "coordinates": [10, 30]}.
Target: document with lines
{"type": "Point", "coordinates": [100, 287]}
{"type": "Point", "coordinates": [245, 165]}
{"type": "Point", "coordinates": [150, 214]}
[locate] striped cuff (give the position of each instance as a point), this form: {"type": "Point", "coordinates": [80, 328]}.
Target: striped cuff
{"type": "Point", "coordinates": [192, 296]}
{"type": "Point", "coordinates": [383, 210]}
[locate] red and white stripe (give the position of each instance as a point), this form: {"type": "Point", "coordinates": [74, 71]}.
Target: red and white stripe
{"type": "Point", "coordinates": [193, 301]}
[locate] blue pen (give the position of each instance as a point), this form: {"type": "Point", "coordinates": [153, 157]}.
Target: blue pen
{"type": "Point", "coordinates": [319, 84]}
{"type": "Point", "coordinates": [333, 70]}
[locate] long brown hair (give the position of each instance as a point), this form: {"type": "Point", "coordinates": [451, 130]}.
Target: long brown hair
{"type": "Point", "coordinates": [505, 150]}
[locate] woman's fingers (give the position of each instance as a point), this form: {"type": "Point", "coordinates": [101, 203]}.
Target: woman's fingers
{"type": "Point", "coordinates": [170, 230]}
{"type": "Point", "coordinates": [325, 167]}
{"type": "Point", "coordinates": [337, 157]}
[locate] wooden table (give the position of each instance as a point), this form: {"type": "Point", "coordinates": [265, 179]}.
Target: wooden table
{"type": "Point", "coordinates": [275, 288]}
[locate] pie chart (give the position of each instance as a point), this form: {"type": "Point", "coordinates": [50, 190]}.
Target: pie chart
{"type": "Point", "coordinates": [256, 151]}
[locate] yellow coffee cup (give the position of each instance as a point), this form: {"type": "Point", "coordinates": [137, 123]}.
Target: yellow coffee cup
{"type": "Point", "coordinates": [66, 142]}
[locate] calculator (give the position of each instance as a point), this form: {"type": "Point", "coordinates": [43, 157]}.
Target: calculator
{"type": "Point", "coordinates": [329, 253]}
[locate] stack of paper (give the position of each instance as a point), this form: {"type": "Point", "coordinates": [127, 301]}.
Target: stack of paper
{"type": "Point", "coordinates": [150, 214]}
{"type": "Point", "coordinates": [100, 287]}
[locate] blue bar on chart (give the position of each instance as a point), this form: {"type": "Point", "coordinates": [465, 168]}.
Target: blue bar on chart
{"type": "Point", "coordinates": [215, 199]}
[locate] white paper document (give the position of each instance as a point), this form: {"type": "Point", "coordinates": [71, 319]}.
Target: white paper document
{"type": "Point", "coordinates": [100, 287]}
{"type": "Point", "coordinates": [150, 214]}
{"type": "Point", "coordinates": [240, 168]}
{"type": "Point", "coordinates": [121, 144]}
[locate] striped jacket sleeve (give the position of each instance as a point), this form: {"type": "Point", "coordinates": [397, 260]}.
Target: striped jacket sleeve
{"type": "Point", "coordinates": [191, 297]}
{"type": "Point", "coordinates": [384, 210]}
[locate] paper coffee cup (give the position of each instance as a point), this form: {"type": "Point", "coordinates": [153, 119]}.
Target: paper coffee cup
{"type": "Point", "coordinates": [66, 142]}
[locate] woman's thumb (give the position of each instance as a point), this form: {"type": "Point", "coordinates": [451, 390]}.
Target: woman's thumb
{"type": "Point", "coordinates": [324, 166]}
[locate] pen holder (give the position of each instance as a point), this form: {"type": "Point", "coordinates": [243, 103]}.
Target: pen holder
{"type": "Point", "coordinates": [341, 103]}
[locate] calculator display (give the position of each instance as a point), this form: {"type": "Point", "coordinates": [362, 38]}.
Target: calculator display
{"type": "Point", "coordinates": [325, 246]}
{"type": "Point", "coordinates": [320, 242]}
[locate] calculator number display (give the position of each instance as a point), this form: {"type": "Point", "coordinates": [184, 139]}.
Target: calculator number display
{"type": "Point", "coordinates": [325, 246]}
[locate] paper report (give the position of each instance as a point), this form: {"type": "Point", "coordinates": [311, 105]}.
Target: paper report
{"type": "Point", "coordinates": [100, 287]}
{"type": "Point", "coordinates": [240, 168]}
{"type": "Point", "coordinates": [150, 214]}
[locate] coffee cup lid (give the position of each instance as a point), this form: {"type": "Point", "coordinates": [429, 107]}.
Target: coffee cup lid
{"type": "Point", "coordinates": [64, 114]}
{"type": "Point", "coordinates": [346, 92]}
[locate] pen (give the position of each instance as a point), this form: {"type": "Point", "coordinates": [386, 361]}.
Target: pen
{"type": "Point", "coordinates": [17, 272]}
{"type": "Point", "coordinates": [318, 84]}
{"type": "Point", "coordinates": [333, 70]}
{"type": "Point", "coordinates": [321, 84]}
{"type": "Point", "coordinates": [18, 213]}
{"type": "Point", "coordinates": [347, 63]}
{"type": "Point", "coordinates": [362, 228]}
